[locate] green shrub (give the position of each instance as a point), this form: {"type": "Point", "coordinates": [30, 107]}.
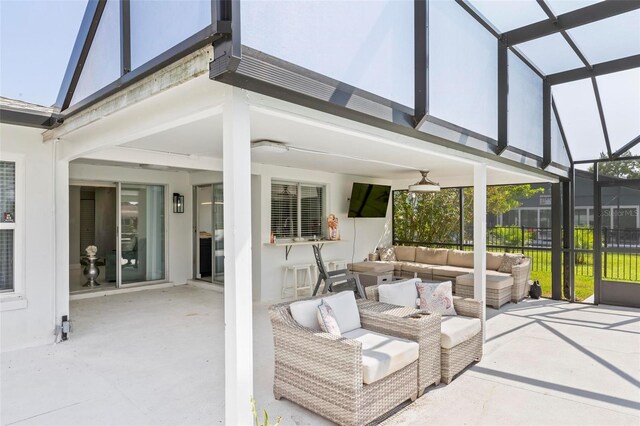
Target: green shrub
{"type": "Point", "coordinates": [509, 236]}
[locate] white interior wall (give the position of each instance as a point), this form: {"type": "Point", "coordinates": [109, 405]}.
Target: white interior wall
{"type": "Point", "coordinates": [178, 231]}
{"type": "Point", "coordinates": [33, 323]}
{"type": "Point", "coordinates": [272, 258]}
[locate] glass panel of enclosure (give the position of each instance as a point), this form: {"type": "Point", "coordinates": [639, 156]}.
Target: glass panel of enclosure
{"type": "Point", "coordinates": [157, 26]}
{"type": "Point", "coordinates": [563, 6]}
{"type": "Point", "coordinates": [427, 219]}
{"type": "Point", "coordinates": [558, 151]}
{"type": "Point", "coordinates": [368, 45]}
{"type": "Point", "coordinates": [508, 15]}
{"type": "Point", "coordinates": [580, 119]}
{"type": "Point", "coordinates": [608, 39]}
{"type": "Point", "coordinates": [525, 107]}
{"type": "Point", "coordinates": [583, 241]}
{"type": "Point", "coordinates": [463, 69]}
{"type": "Point", "coordinates": [102, 65]}
{"type": "Point", "coordinates": [142, 230]}
{"type": "Point", "coordinates": [620, 96]}
{"type": "Point", "coordinates": [25, 27]}
{"type": "Point", "coordinates": [551, 54]}
{"type": "Point", "coordinates": [621, 235]}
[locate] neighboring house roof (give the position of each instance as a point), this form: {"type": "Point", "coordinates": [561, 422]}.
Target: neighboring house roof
{"type": "Point", "coordinates": [21, 113]}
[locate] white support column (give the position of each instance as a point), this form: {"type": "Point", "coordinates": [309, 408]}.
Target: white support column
{"type": "Point", "coordinates": [61, 236]}
{"type": "Point", "coordinates": [238, 313]}
{"type": "Point", "coordinates": [480, 238]}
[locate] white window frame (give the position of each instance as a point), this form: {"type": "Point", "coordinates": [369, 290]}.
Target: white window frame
{"type": "Point", "coordinates": [298, 185]}
{"type": "Point", "coordinates": [16, 299]}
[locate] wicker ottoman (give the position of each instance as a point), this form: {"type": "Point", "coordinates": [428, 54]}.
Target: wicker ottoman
{"type": "Point", "coordinates": [498, 289]}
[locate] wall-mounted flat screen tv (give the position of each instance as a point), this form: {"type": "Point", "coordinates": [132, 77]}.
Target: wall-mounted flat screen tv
{"type": "Point", "coordinates": [369, 200]}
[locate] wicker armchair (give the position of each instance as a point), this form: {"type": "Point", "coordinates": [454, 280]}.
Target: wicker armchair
{"type": "Point", "coordinates": [324, 373]}
{"type": "Point", "coordinates": [456, 359]}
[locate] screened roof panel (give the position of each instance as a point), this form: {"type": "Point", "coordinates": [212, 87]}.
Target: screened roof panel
{"type": "Point", "coordinates": [36, 40]}
{"type": "Point", "coordinates": [578, 111]}
{"type": "Point", "coordinates": [620, 96]}
{"type": "Point", "coordinates": [608, 39]}
{"type": "Point", "coordinates": [508, 15]}
{"type": "Point", "coordinates": [102, 65]}
{"type": "Point", "coordinates": [563, 6]}
{"type": "Point", "coordinates": [551, 54]}
{"type": "Point", "coordinates": [558, 151]}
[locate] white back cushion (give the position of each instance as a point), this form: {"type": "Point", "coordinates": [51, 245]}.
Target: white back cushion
{"type": "Point", "coordinates": [305, 313]}
{"type": "Point", "coordinates": [402, 294]}
{"type": "Point", "coordinates": [344, 308]}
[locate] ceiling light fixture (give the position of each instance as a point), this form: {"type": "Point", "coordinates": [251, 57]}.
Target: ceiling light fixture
{"type": "Point", "coordinates": [269, 146]}
{"type": "Point", "coordinates": [425, 184]}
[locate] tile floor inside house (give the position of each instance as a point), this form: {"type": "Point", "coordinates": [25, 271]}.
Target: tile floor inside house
{"type": "Point", "coordinates": [156, 357]}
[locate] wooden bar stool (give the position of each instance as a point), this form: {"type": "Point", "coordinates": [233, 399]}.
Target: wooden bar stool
{"type": "Point", "coordinates": [297, 282]}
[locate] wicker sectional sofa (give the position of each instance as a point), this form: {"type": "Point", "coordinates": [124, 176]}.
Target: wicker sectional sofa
{"type": "Point", "coordinates": [445, 264]}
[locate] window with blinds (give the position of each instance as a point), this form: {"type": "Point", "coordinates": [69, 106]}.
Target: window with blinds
{"type": "Point", "coordinates": [7, 224]}
{"type": "Point", "coordinates": [297, 209]}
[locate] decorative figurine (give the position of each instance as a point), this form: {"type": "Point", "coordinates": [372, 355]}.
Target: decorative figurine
{"type": "Point", "coordinates": [332, 221]}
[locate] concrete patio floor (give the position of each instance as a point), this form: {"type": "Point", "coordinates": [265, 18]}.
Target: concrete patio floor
{"type": "Point", "coordinates": [156, 357]}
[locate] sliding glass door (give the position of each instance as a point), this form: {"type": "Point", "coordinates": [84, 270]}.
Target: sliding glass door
{"type": "Point", "coordinates": [142, 233]}
{"type": "Point", "coordinates": [209, 233]}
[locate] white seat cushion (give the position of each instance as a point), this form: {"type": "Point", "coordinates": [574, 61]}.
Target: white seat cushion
{"type": "Point", "coordinates": [382, 355]}
{"type": "Point", "coordinates": [458, 329]}
{"type": "Point", "coordinates": [403, 293]}
{"type": "Point", "coordinates": [345, 309]}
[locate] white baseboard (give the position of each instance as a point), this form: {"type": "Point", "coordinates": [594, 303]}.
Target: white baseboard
{"type": "Point", "coordinates": [114, 291]}
{"type": "Point", "coordinates": [205, 285]}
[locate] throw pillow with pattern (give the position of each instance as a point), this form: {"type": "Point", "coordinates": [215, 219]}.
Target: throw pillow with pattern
{"type": "Point", "coordinates": [327, 319]}
{"type": "Point", "coordinates": [509, 261]}
{"type": "Point", "coordinates": [436, 298]}
{"type": "Point", "coordinates": [387, 254]}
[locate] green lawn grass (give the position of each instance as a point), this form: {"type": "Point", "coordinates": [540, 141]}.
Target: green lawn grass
{"type": "Point", "coordinates": [619, 268]}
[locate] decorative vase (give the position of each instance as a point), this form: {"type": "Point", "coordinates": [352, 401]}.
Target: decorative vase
{"type": "Point", "coordinates": [91, 272]}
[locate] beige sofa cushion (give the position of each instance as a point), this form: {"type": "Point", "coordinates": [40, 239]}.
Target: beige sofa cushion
{"type": "Point", "coordinates": [405, 253]}
{"type": "Point", "coordinates": [494, 282]}
{"type": "Point", "coordinates": [460, 258]}
{"type": "Point", "coordinates": [382, 355]}
{"type": "Point", "coordinates": [450, 271]}
{"type": "Point", "coordinates": [432, 256]}
{"type": "Point", "coordinates": [421, 268]}
{"type": "Point", "coordinates": [458, 329]}
{"type": "Point", "coordinates": [377, 267]}
{"type": "Point", "coordinates": [494, 260]}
